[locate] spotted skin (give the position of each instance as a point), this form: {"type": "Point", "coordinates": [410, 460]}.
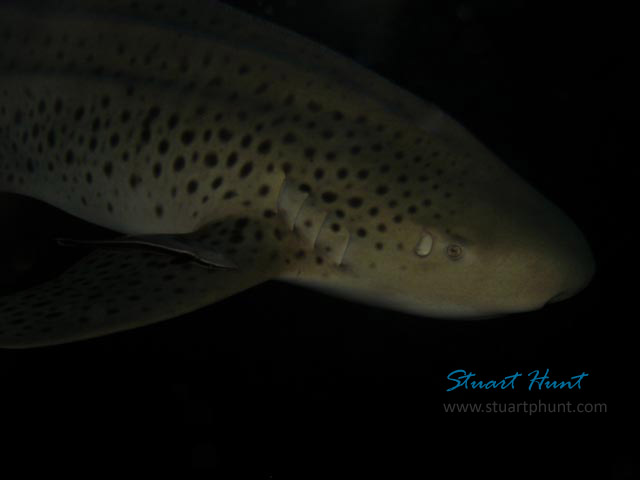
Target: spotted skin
{"type": "Point", "coordinates": [154, 118]}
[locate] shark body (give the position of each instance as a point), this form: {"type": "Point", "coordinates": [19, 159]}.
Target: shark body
{"type": "Point", "coordinates": [207, 134]}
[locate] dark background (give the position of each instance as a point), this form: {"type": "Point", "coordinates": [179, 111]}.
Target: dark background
{"type": "Point", "coordinates": [279, 377]}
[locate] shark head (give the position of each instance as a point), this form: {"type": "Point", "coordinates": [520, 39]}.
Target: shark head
{"type": "Point", "coordinates": [475, 241]}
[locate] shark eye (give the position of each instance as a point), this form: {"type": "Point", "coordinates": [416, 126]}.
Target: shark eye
{"type": "Point", "coordinates": [424, 246]}
{"type": "Point", "coordinates": [454, 251]}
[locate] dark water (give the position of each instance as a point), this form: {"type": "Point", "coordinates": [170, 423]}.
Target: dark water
{"type": "Point", "coordinates": [253, 385]}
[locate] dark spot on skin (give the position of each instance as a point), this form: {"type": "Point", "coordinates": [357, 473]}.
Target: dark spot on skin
{"type": "Point", "coordinates": [192, 187]}
{"type": "Point", "coordinates": [232, 159]}
{"type": "Point", "coordinates": [382, 228]}
{"type": "Point", "coordinates": [382, 190]}
{"type": "Point", "coordinates": [286, 167]}
{"type": "Point", "coordinates": [373, 211]}
{"type": "Point", "coordinates": [229, 194]}
{"type": "Point", "coordinates": [379, 246]}
{"type": "Point", "coordinates": [246, 170]}
{"type": "Point", "coordinates": [173, 121]}
{"type": "Point", "coordinates": [265, 147]}
{"type": "Point", "coordinates": [363, 174]}
{"type": "Point", "coordinates": [89, 178]}
{"type": "Point", "coordinates": [318, 174]}
{"type": "Point", "coordinates": [289, 138]}
{"type": "Point", "coordinates": [157, 170]}
{"type": "Point", "coordinates": [163, 147]}
{"type": "Point", "coordinates": [329, 197]}
{"type": "Point", "coordinates": [397, 218]}
{"type": "Point", "coordinates": [342, 173]}
{"type": "Point", "coordinates": [261, 88]}
{"type": "Point", "coordinates": [361, 232]}
{"type": "Point", "coordinates": [187, 137]}
{"type": "Point", "coordinates": [335, 227]}
{"type": "Point", "coordinates": [108, 169]}
{"type": "Point", "coordinates": [216, 183]}
{"type": "Point", "coordinates": [355, 202]}
{"type": "Point", "coordinates": [225, 135]}
{"type": "Point", "coordinates": [211, 160]}
{"type": "Point", "coordinates": [178, 164]}
{"type": "Point", "coordinates": [264, 190]}
{"type": "Point", "coordinates": [327, 134]}
{"type": "Point", "coordinates": [134, 180]}
{"type": "Point", "coordinates": [309, 152]}
{"type": "Point", "coordinates": [246, 141]}
{"type": "Point", "coordinates": [314, 106]}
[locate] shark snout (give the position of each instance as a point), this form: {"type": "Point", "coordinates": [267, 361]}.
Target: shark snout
{"type": "Point", "coordinates": [561, 261]}
{"type": "Point", "coordinates": [575, 268]}
{"type": "Point", "coordinates": [543, 257]}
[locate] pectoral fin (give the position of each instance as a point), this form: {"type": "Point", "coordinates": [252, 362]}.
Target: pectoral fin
{"type": "Point", "coordinates": [111, 290]}
{"type": "Point", "coordinates": [179, 245]}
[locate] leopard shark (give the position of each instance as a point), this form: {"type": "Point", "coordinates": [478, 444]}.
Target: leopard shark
{"type": "Point", "coordinates": [224, 151]}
